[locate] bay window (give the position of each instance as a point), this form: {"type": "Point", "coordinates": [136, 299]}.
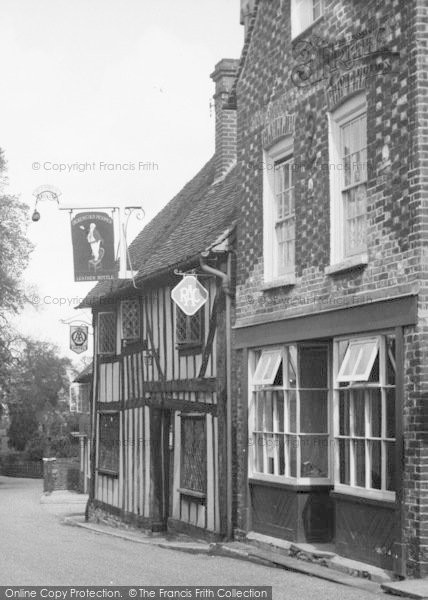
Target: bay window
{"type": "Point", "coordinates": [364, 396]}
{"type": "Point", "coordinates": [289, 414]}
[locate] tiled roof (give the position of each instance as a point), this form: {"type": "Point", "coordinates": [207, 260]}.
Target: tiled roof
{"type": "Point", "coordinates": [186, 226]}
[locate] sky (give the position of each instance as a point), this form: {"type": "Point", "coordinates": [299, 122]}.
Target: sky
{"type": "Point", "coordinates": [109, 101]}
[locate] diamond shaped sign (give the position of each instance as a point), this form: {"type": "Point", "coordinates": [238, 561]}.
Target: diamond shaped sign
{"type": "Point", "coordinates": [189, 295]}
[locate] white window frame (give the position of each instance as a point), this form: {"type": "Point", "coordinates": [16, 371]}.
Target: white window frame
{"type": "Point", "coordinates": [280, 151]}
{"type": "Point", "coordinates": [352, 489]}
{"type": "Point", "coordinates": [297, 7]}
{"type": "Point", "coordinates": [350, 110]}
{"type": "Point", "coordinates": [289, 435]}
{"type": "Point", "coordinates": [354, 375]}
{"type": "Point", "coordinates": [276, 356]}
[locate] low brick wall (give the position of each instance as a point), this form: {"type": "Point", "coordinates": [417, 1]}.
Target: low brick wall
{"type": "Point", "coordinates": [61, 474]}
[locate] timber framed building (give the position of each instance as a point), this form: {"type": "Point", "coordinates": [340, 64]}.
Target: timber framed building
{"type": "Point", "coordinates": [160, 377]}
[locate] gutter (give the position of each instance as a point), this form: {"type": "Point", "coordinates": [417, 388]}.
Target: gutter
{"type": "Point", "coordinates": [226, 285]}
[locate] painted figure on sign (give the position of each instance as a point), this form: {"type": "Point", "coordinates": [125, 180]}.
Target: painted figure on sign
{"type": "Point", "coordinates": [95, 241]}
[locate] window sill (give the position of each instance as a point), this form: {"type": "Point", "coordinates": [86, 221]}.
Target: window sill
{"type": "Point", "coordinates": [299, 485]}
{"type": "Point", "coordinates": [287, 280]}
{"type": "Point", "coordinates": [363, 496]}
{"type": "Point", "coordinates": [349, 264]}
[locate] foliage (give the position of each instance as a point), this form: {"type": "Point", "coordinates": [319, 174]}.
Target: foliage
{"type": "Point", "coordinates": [15, 249]}
{"type": "Point", "coordinates": [36, 396]}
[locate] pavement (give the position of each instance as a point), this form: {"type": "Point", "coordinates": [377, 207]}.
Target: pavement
{"type": "Point", "coordinates": [39, 548]}
{"type": "Point", "coordinates": [45, 541]}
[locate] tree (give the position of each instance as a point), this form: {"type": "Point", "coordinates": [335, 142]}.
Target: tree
{"type": "Point", "coordinates": [36, 395]}
{"type": "Point", "coordinates": [15, 250]}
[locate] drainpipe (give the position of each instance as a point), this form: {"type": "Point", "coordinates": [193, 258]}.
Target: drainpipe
{"type": "Point", "coordinates": [225, 279]}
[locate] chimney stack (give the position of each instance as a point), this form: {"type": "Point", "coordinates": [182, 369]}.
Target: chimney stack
{"type": "Point", "coordinates": [225, 117]}
{"type": "Point", "coordinates": [247, 10]}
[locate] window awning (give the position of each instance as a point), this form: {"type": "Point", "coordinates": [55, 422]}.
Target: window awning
{"type": "Point", "coordinates": [358, 361]}
{"type": "Point", "coordinates": [267, 367]}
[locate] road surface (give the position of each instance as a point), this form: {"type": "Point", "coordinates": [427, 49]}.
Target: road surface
{"type": "Point", "coordinates": [37, 548]}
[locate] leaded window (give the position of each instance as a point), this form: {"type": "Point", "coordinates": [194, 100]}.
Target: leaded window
{"type": "Point", "coordinates": [130, 310]}
{"type": "Point", "coordinates": [193, 472]}
{"type": "Point", "coordinates": [189, 329]}
{"type": "Point", "coordinates": [107, 332]}
{"type": "Point", "coordinates": [365, 414]}
{"type": "Point", "coordinates": [289, 415]}
{"type": "Point", "coordinates": [108, 442]}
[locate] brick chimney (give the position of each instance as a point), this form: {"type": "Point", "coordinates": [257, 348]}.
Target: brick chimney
{"type": "Point", "coordinates": [247, 9]}
{"type": "Point", "coordinates": [225, 117]}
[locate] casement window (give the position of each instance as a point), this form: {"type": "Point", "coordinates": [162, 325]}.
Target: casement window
{"type": "Point", "coordinates": [279, 219]}
{"type": "Point", "coordinates": [107, 332]}
{"type": "Point", "coordinates": [348, 180]}
{"type": "Point", "coordinates": [364, 397]}
{"type": "Point", "coordinates": [188, 329]}
{"type": "Point", "coordinates": [108, 442]}
{"type": "Point", "coordinates": [289, 414]}
{"type": "Point", "coordinates": [130, 317]}
{"type": "Point", "coordinates": [193, 470]}
{"type": "Point", "coordinates": [303, 14]}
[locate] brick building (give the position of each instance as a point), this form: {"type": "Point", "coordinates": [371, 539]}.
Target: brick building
{"type": "Point", "coordinates": [331, 331]}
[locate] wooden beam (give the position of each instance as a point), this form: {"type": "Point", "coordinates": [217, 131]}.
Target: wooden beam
{"type": "Point", "coordinates": [166, 402]}
{"type": "Point", "coordinates": [207, 385]}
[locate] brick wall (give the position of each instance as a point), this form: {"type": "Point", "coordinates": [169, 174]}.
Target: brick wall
{"type": "Point", "coordinates": [61, 474]}
{"type": "Point", "coordinates": [397, 206]}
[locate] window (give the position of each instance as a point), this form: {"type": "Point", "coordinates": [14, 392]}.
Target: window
{"type": "Point", "coordinates": [193, 472]}
{"type": "Point", "coordinates": [130, 310]}
{"type": "Point", "coordinates": [285, 215]}
{"type": "Point", "coordinates": [108, 442]}
{"type": "Point", "coordinates": [79, 397]}
{"type": "Point", "coordinates": [107, 333]}
{"type": "Point", "coordinates": [365, 415]}
{"type": "Point", "coordinates": [279, 220]}
{"type": "Point", "coordinates": [358, 361]}
{"type": "Point", "coordinates": [303, 14]}
{"type": "Point", "coordinates": [289, 416]}
{"type": "Point", "coordinates": [348, 180]}
{"type": "Point", "coordinates": [189, 329]}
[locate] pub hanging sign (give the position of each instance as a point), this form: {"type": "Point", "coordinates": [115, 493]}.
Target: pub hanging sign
{"type": "Point", "coordinates": [78, 338]}
{"type": "Point", "coordinates": [92, 235]}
